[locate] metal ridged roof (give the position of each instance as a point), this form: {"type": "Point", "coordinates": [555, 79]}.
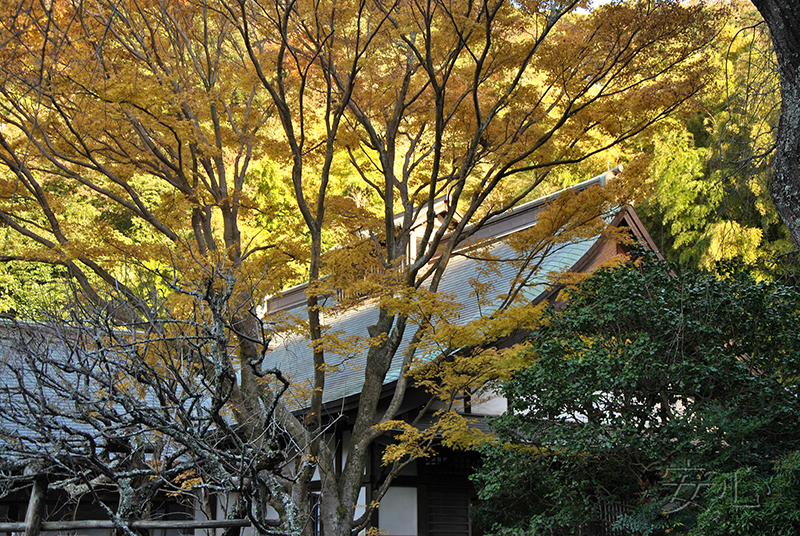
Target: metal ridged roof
{"type": "Point", "coordinates": [293, 355]}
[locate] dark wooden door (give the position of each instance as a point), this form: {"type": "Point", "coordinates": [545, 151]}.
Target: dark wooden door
{"type": "Point", "coordinates": [448, 510]}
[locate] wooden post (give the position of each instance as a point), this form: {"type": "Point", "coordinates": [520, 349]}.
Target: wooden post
{"type": "Point", "coordinates": [35, 512]}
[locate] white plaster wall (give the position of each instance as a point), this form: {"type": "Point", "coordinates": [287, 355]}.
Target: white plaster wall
{"type": "Point", "coordinates": [397, 513]}
{"type": "Point", "coordinates": [361, 504]}
{"type": "Point", "coordinates": [345, 445]}
{"type": "Point", "coordinates": [490, 403]}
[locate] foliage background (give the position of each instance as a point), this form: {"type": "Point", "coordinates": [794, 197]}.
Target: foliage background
{"type": "Point", "coordinates": [709, 172]}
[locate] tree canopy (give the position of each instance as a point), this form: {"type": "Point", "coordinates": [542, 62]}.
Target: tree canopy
{"type": "Point", "coordinates": [646, 401]}
{"type": "Point", "coordinates": [710, 173]}
{"type": "Point", "coordinates": [181, 161]}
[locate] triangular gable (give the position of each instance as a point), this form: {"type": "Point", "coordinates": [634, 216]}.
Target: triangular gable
{"type": "Point", "coordinates": [603, 250]}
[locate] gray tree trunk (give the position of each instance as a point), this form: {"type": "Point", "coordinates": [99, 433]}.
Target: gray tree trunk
{"type": "Point", "coordinates": [783, 20]}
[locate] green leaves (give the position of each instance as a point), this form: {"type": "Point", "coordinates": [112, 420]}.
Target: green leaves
{"type": "Point", "coordinates": [710, 174]}
{"type": "Point", "coordinates": [644, 371]}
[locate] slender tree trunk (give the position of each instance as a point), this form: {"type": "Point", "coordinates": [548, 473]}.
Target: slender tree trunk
{"type": "Point", "coordinates": [783, 20]}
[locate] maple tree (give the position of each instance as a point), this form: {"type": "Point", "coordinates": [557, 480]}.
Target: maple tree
{"type": "Point", "coordinates": [183, 161]}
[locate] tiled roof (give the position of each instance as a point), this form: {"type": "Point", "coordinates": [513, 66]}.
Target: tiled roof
{"type": "Point", "coordinates": [50, 390]}
{"type": "Point", "coordinates": [293, 355]}
{"type": "Point", "coordinates": [18, 419]}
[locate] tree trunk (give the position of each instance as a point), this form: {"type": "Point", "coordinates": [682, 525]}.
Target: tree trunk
{"type": "Point", "coordinates": [783, 20]}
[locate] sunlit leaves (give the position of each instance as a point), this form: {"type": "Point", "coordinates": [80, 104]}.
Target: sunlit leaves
{"type": "Point", "coordinates": [219, 152]}
{"type": "Point", "coordinates": [710, 173]}
{"type": "Point", "coordinates": [471, 355]}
